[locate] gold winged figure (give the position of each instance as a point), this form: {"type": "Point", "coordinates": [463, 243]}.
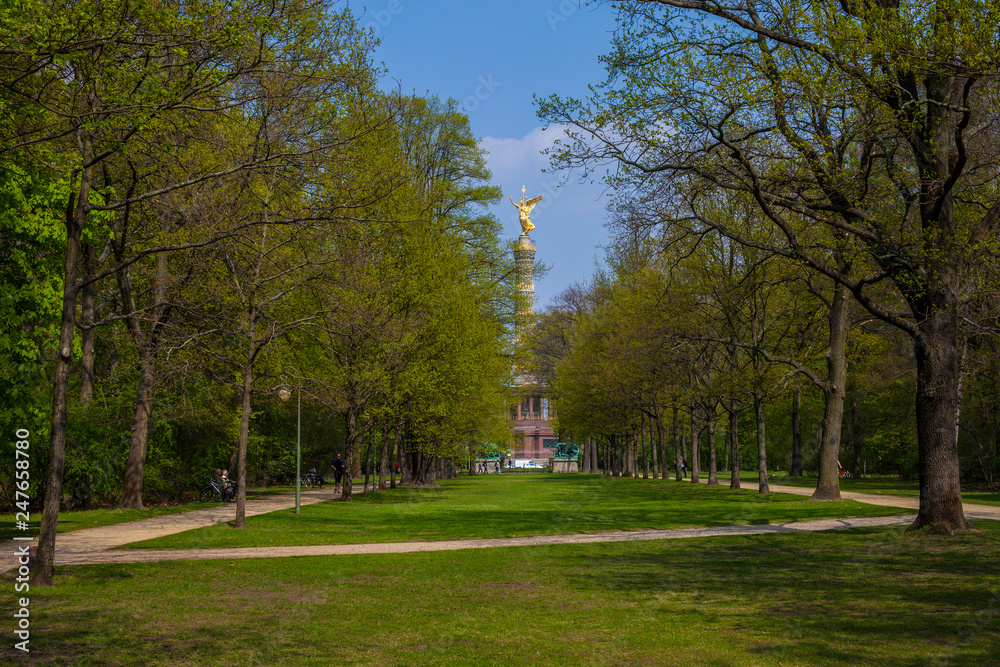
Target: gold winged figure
{"type": "Point", "coordinates": [524, 208]}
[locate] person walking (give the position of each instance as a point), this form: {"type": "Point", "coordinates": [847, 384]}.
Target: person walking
{"type": "Point", "coordinates": [684, 465]}
{"type": "Point", "coordinates": [338, 472]}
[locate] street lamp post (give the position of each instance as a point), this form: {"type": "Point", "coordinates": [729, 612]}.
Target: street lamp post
{"type": "Point", "coordinates": [284, 395]}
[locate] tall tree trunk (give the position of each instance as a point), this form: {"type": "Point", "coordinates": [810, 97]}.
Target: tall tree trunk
{"type": "Point", "coordinates": [713, 472]}
{"type": "Point", "coordinates": [623, 456]}
{"type": "Point", "coordinates": [619, 456]}
{"type": "Point", "coordinates": [350, 460]}
{"type": "Point", "coordinates": [76, 216]}
{"type": "Point", "coordinates": [828, 485]}
{"type": "Point", "coordinates": [616, 455]}
{"type": "Point", "coordinates": [857, 437]}
{"type": "Point", "coordinates": [695, 461]}
{"type": "Point", "coordinates": [633, 460]}
{"type": "Point", "coordinates": [758, 406]}
{"type": "Point", "coordinates": [241, 455]}
{"type": "Point", "coordinates": [367, 454]}
{"type": "Point", "coordinates": [936, 351]}
{"type": "Point", "coordinates": [397, 453]}
{"type": "Point", "coordinates": [420, 469]}
{"type": "Point", "coordinates": [654, 459]}
{"type": "Point", "coordinates": [86, 329]}
{"type": "Point", "coordinates": [356, 458]}
{"type": "Point", "coordinates": [678, 447]}
{"type": "Point", "coordinates": [139, 441]}
{"type": "Point", "coordinates": [726, 453]}
{"type": "Point", "coordinates": [405, 462]}
{"type": "Point", "coordinates": [734, 445]}
{"type": "Point", "coordinates": [595, 463]}
{"type": "Point", "coordinates": [383, 461]}
{"type": "Point", "coordinates": [661, 443]}
{"type": "Point", "coordinates": [645, 457]}
{"type": "Point", "coordinates": [624, 469]}
{"type": "Point", "coordinates": [607, 458]}
{"type": "Point", "coordinates": [613, 455]}
{"type": "Point", "coordinates": [796, 470]}
{"type": "Point", "coordinates": [148, 348]}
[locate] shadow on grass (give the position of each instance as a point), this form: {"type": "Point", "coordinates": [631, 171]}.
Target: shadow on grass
{"type": "Point", "coordinates": [854, 597]}
{"type": "Point", "coordinates": [830, 597]}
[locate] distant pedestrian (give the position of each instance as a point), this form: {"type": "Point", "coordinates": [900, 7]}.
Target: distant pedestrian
{"type": "Point", "coordinates": [684, 465]}
{"type": "Point", "coordinates": [498, 467]}
{"type": "Point", "coordinates": [338, 472]}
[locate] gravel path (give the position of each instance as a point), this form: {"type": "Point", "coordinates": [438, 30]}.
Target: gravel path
{"type": "Point", "coordinates": [93, 545]}
{"type": "Point", "coordinates": [149, 555]}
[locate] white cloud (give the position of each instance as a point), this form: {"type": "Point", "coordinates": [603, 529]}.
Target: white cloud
{"type": "Point", "coordinates": [507, 154]}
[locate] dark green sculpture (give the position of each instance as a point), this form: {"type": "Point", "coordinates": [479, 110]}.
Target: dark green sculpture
{"type": "Point", "coordinates": [564, 451]}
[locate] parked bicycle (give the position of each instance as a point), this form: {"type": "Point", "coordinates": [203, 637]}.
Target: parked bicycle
{"type": "Point", "coordinates": [311, 479]}
{"type": "Point", "coordinates": [213, 491]}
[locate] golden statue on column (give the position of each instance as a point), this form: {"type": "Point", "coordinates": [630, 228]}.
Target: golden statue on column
{"type": "Point", "coordinates": [524, 208]}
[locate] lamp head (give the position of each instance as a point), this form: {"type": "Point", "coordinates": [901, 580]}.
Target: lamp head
{"type": "Point", "coordinates": [284, 394]}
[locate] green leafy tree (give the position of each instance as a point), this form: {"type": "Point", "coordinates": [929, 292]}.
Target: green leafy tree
{"type": "Point", "coordinates": [857, 124]}
{"type": "Point", "coordinates": [89, 82]}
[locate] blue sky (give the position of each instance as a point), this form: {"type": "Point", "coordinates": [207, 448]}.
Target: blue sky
{"type": "Point", "coordinates": [493, 57]}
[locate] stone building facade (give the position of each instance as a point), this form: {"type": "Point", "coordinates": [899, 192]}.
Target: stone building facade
{"type": "Point", "coordinates": [532, 436]}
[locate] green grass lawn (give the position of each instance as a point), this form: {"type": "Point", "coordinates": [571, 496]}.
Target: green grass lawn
{"type": "Point", "coordinates": [78, 519]}
{"type": "Point", "coordinates": [513, 506]}
{"type": "Point", "coordinates": [845, 598]}
{"type": "Point", "coordinates": [892, 487]}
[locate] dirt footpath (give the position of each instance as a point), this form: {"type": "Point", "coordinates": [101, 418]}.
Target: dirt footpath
{"type": "Point", "coordinates": [75, 546]}
{"type": "Point", "coordinates": [149, 555]}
